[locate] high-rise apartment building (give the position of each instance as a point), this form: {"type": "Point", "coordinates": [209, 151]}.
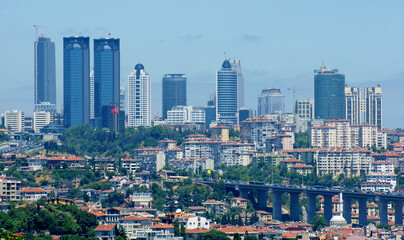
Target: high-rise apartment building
{"type": "Point", "coordinates": [305, 108]}
{"type": "Point", "coordinates": [353, 104]}
{"type": "Point", "coordinates": [106, 75]}
{"type": "Point", "coordinates": [41, 119]}
{"type": "Point", "coordinates": [235, 65]}
{"type": "Point", "coordinates": [374, 106]}
{"type": "Point", "coordinates": [174, 92]}
{"type": "Point", "coordinates": [226, 94]}
{"type": "Point", "coordinates": [271, 101]}
{"type": "Point", "coordinates": [139, 97]}
{"type": "Point", "coordinates": [185, 114]}
{"type": "Point", "coordinates": [45, 71]}
{"type": "Point", "coordinates": [14, 120]}
{"type": "Point", "coordinates": [329, 94]}
{"type": "Point", "coordinates": [76, 82]}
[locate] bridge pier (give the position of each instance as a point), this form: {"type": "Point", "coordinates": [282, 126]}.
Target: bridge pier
{"type": "Point", "coordinates": [383, 212]}
{"type": "Point", "coordinates": [262, 199]}
{"type": "Point", "coordinates": [311, 207]}
{"type": "Point", "coordinates": [327, 207]}
{"type": "Point", "coordinates": [294, 207]}
{"type": "Point", "coordinates": [347, 211]}
{"type": "Point", "coordinates": [277, 205]}
{"type": "Point", "coordinates": [363, 211]}
{"type": "Point", "coordinates": [244, 193]}
{"type": "Point", "coordinates": [398, 215]}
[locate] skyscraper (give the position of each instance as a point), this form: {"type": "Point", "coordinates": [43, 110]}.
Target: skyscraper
{"type": "Point", "coordinates": [76, 83]}
{"type": "Point", "coordinates": [92, 94]}
{"type": "Point", "coordinates": [174, 92]}
{"type": "Point", "coordinates": [374, 106]}
{"type": "Point", "coordinates": [226, 94]}
{"type": "Point", "coordinates": [106, 75]}
{"type": "Point", "coordinates": [353, 105]}
{"type": "Point", "coordinates": [271, 101]}
{"type": "Point", "coordinates": [45, 71]}
{"type": "Point", "coordinates": [236, 66]}
{"type": "Point", "coordinates": [139, 97]}
{"type": "Point", "coordinates": [329, 94]}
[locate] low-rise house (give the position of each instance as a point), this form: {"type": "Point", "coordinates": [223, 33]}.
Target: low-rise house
{"type": "Point", "coordinates": [112, 215]}
{"type": "Point", "coordinates": [136, 227]}
{"type": "Point", "coordinates": [143, 200]}
{"type": "Point", "coordinates": [195, 233]}
{"type": "Point", "coordinates": [10, 187]}
{"type": "Point", "coordinates": [264, 216]}
{"type": "Point", "coordinates": [34, 194]}
{"type": "Point", "coordinates": [238, 202]}
{"type": "Point", "coordinates": [163, 231]}
{"type": "Point", "coordinates": [218, 207]}
{"type": "Point", "coordinates": [192, 165]}
{"type": "Point", "coordinates": [104, 164]}
{"type": "Point", "coordinates": [106, 231]}
{"type": "Point", "coordinates": [118, 181]}
{"type": "Point", "coordinates": [198, 211]}
{"type": "Point", "coordinates": [303, 169]}
{"type": "Point", "coordinates": [195, 222]}
{"type": "Point", "coordinates": [130, 164]}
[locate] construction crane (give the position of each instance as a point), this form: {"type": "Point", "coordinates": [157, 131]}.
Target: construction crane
{"type": "Point", "coordinates": [294, 95]}
{"type": "Point", "coordinates": [36, 26]}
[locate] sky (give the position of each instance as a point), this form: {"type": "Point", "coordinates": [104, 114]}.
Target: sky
{"type": "Point", "coordinates": [279, 44]}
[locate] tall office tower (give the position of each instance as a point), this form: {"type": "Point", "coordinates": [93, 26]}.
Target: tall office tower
{"type": "Point", "coordinates": [76, 82]}
{"type": "Point", "coordinates": [329, 94]}
{"type": "Point", "coordinates": [92, 94]}
{"type": "Point", "coordinates": [235, 65]}
{"type": "Point", "coordinates": [271, 101]}
{"type": "Point", "coordinates": [45, 71]}
{"type": "Point", "coordinates": [305, 108]}
{"type": "Point", "coordinates": [226, 94]}
{"type": "Point", "coordinates": [122, 99]}
{"type": "Point", "coordinates": [14, 120]}
{"type": "Point", "coordinates": [244, 114]}
{"type": "Point", "coordinates": [374, 106]}
{"type": "Point", "coordinates": [139, 97]}
{"type": "Point", "coordinates": [212, 100]}
{"type": "Point", "coordinates": [106, 75]}
{"type": "Point", "coordinates": [353, 105]}
{"type": "Point", "coordinates": [174, 92]}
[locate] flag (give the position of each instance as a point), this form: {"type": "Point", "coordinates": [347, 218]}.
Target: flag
{"type": "Point", "coordinates": [114, 110]}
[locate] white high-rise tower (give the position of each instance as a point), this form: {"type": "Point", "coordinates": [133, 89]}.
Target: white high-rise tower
{"type": "Point", "coordinates": [139, 97]}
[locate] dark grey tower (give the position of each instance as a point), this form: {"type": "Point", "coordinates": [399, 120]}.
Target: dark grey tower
{"type": "Point", "coordinates": [174, 91]}
{"type": "Point", "coordinates": [329, 94]}
{"type": "Point", "coordinates": [45, 71]}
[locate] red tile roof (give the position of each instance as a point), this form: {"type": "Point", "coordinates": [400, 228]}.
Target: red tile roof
{"type": "Point", "coordinates": [104, 227]}
{"type": "Point", "coordinates": [158, 226]}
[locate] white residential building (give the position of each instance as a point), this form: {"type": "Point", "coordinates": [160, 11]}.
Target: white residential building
{"type": "Point", "coordinates": [194, 222]}
{"type": "Point", "coordinates": [337, 161]}
{"type": "Point", "coordinates": [139, 97]}
{"type": "Point", "coordinates": [14, 120]}
{"type": "Point", "coordinates": [374, 106]}
{"type": "Point", "coordinates": [33, 194]}
{"type": "Point", "coordinates": [185, 114]}
{"type": "Point", "coordinates": [42, 119]}
{"type": "Point", "coordinates": [353, 104]}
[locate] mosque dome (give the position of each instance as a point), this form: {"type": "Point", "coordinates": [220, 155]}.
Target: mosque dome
{"type": "Point", "coordinates": [338, 221]}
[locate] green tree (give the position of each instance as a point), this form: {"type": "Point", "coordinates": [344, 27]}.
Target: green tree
{"type": "Point", "coordinates": [319, 222]}
{"type": "Point", "coordinates": [214, 235]}
{"type": "Point", "coordinates": [177, 232]}
{"type": "Point", "coordinates": [250, 237]}
{"type": "Point", "coordinates": [183, 232]}
{"type": "Point", "coordinates": [237, 236]}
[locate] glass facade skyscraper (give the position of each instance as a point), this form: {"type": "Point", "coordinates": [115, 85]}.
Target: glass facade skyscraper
{"type": "Point", "coordinates": [76, 82]}
{"type": "Point", "coordinates": [106, 75]}
{"type": "Point", "coordinates": [226, 94]}
{"type": "Point", "coordinates": [45, 71]}
{"type": "Point", "coordinates": [271, 101]}
{"type": "Point", "coordinates": [329, 94]}
{"type": "Point", "coordinates": [174, 92]}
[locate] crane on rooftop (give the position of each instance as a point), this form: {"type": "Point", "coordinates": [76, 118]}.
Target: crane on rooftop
{"type": "Point", "coordinates": [294, 95]}
{"type": "Point", "coordinates": [36, 26]}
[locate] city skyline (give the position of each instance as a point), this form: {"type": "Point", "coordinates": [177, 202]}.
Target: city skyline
{"type": "Point", "coordinates": [363, 48]}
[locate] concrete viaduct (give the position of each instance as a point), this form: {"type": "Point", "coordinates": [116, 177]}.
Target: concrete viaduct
{"type": "Point", "coordinates": [311, 193]}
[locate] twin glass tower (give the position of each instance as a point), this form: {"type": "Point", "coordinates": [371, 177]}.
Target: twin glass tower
{"type": "Point", "coordinates": [76, 80]}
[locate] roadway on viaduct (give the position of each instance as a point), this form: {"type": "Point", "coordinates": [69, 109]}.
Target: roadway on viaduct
{"type": "Point", "coordinates": [347, 196]}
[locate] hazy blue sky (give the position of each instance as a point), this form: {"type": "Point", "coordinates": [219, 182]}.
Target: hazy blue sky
{"type": "Point", "coordinates": [279, 44]}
